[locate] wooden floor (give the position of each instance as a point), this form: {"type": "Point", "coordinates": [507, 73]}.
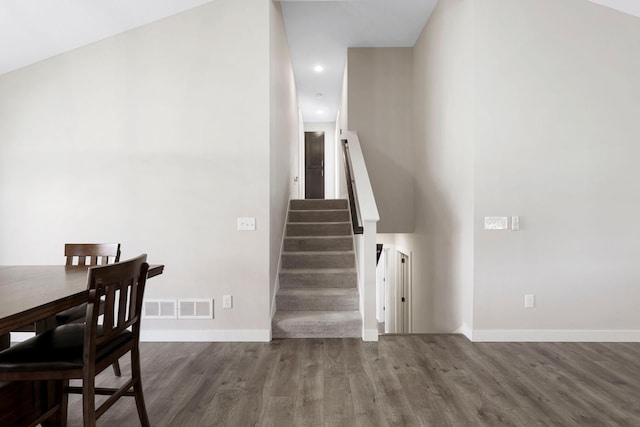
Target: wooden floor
{"type": "Point", "coordinates": [420, 380]}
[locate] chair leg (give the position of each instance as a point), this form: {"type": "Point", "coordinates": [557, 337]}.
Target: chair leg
{"type": "Point", "coordinates": [64, 401]}
{"type": "Point", "coordinates": [89, 401]}
{"type": "Point", "coordinates": [54, 393]}
{"type": "Point", "coordinates": [116, 369]}
{"type": "Point", "coordinates": [136, 374]}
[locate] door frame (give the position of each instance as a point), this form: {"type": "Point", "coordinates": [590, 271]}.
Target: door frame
{"type": "Point", "coordinates": [323, 180]}
{"type": "Point", "coordinates": [392, 291]}
{"type": "Point", "coordinates": [400, 252]}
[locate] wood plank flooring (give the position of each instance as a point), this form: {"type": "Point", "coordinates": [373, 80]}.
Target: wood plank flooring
{"type": "Point", "coordinates": [417, 380]}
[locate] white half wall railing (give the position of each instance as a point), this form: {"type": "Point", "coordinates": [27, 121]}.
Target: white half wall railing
{"type": "Point", "coordinates": [365, 217]}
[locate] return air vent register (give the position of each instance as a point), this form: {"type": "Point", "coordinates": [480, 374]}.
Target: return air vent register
{"type": "Point", "coordinates": [195, 309]}
{"type": "Point", "coordinates": [178, 309]}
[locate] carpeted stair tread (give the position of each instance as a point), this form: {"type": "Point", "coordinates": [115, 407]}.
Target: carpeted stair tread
{"type": "Point", "coordinates": [317, 299]}
{"type": "Point", "coordinates": [304, 229]}
{"type": "Point", "coordinates": [318, 277]}
{"type": "Point", "coordinates": [321, 259]}
{"type": "Point", "coordinates": [317, 243]}
{"type": "Point", "coordinates": [322, 204]}
{"type": "Point", "coordinates": [315, 216]}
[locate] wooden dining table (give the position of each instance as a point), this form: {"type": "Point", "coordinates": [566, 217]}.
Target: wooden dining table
{"type": "Point", "coordinates": [34, 294]}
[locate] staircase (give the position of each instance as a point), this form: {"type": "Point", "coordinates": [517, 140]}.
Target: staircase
{"type": "Point", "coordinates": [318, 295]}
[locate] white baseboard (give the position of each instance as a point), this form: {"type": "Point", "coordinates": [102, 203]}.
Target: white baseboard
{"type": "Point", "coordinates": [466, 331]}
{"type": "Point", "coordinates": [206, 335]}
{"type": "Point", "coordinates": [553, 335]}
{"type": "Point", "coordinates": [370, 335]}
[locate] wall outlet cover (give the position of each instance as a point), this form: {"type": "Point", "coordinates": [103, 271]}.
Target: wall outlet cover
{"type": "Point", "coordinates": [246, 224]}
{"type": "Point", "coordinates": [496, 222]}
{"type": "Point", "coordinates": [529, 301]}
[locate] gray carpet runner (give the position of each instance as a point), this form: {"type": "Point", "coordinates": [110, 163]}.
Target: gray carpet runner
{"type": "Point", "coordinates": [318, 295]}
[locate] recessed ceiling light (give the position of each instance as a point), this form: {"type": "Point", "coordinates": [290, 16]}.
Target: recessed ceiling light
{"type": "Point", "coordinates": [318, 68]}
{"type": "Point", "coordinates": [320, 112]}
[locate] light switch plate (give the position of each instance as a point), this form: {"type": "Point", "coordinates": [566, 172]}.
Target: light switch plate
{"type": "Point", "coordinates": [529, 301]}
{"type": "Point", "coordinates": [227, 301]}
{"type": "Point", "coordinates": [515, 223]}
{"type": "Point", "coordinates": [496, 222]}
{"type": "Point", "coordinates": [247, 224]}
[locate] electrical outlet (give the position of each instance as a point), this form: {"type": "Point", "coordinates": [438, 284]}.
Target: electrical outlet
{"type": "Point", "coordinates": [227, 301]}
{"type": "Point", "coordinates": [247, 224]}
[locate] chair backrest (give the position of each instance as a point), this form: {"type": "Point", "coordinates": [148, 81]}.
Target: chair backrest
{"type": "Point", "coordinates": [94, 253]}
{"type": "Point", "coordinates": [122, 286]}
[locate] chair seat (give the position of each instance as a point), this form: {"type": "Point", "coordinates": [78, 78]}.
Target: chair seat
{"type": "Point", "coordinates": [71, 314]}
{"type": "Point", "coordinates": [75, 314]}
{"type": "Point", "coordinates": [59, 349]}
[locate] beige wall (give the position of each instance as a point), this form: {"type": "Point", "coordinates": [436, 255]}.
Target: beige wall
{"type": "Point", "coordinates": [159, 138]}
{"type": "Point", "coordinates": [379, 110]}
{"type": "Point", "coordinates": [342, 125]}
{"type": "Point", "coordinates": [442, 244]}
{"type": "Point", "coordinates": [518, 118]}
{"type": "Point", "coordinates": [557, 143]}
{"type": "Point", "coordinates": [284, 137]}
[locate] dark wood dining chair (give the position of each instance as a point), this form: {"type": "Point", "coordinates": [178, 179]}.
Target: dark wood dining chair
{"type": "Point", "coordinates": [87, 254]}
{"type": "Point", "coordinates": [91, 253]}
{"type": "Point", "coordinates": [83, 350]}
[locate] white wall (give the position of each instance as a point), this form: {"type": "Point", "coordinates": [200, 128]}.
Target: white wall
{"type": "Point", "coordinates": [517, 118]}
{"type": "Point", "coordinates": [557, 143]}
{"type": "Point", "coordinates": [158, 138]}
{"type": "Point", "coordinates": [342, 125]}
{"type": "Point", "coordinates": [380, 84]}
{"type": "Point", "coordinates": [329, 130]}
{"type": "Point", "coordinates": [284, 124]}
{"type": "Point", "coordinates": [442, 244]}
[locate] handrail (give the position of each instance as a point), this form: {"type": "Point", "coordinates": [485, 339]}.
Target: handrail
{"type": "Point", "coordinates": [356, 219]}
{"type": "Point", "coordinates": [365, 213]}
{"type": "Point", "coordinates": [363, 192]}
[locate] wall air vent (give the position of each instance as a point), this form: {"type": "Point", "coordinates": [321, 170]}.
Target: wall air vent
{"type": "Point", "coordinates": [159, 309]}
{"type": "Point", "coordinates": [195, 308]}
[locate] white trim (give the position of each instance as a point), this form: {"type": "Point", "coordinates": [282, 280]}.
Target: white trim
{"type": "Point", "coordinates": [465, 330]}
{"type": "Point", "coordinates": [554, 335]}
{"type": "Point", "coordinates": [206, 335]}
{"type": "Point", "coordinates": [370, 335]}
{"type": "Point", "coordinates": [276, 285]}
{"type": "Point", "coordinates": [301, 159]}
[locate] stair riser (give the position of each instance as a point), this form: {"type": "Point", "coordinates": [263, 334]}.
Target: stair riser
{"type": "Point", "coordinates": [319, 216]}
{"type": "Point", "coordinates": [339, 330]}
{"type": "Point", "coordinates": [321, 303]}
{"type": "Point", "coordinates": [297, 205]}
{"type": "Point", "coordinates": [302, 229]}
{"type": "Point", "coordinates": [320, 244]}
{"type": "Point", "coordinates": [318, 280]}
{"type": "Point", "coordinates": [292, 261]}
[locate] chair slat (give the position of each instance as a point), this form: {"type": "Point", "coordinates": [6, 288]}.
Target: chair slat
{"type": "Point", "coordinates": [99, 253]}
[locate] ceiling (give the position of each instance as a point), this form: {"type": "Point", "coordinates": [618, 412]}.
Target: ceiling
{"type": "Point", "coordinates": [319, 33]}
